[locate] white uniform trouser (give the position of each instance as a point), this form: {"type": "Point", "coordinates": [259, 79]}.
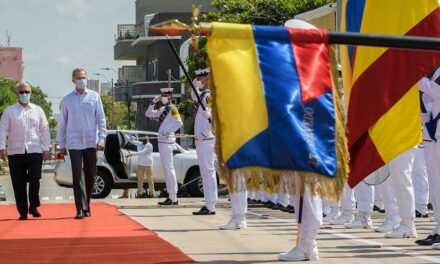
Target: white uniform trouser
{"type": "Point", "coordinates": [420, 182]}
{"type": "Point", "coordinates": [378, 197]}
{"type": "Point", "coordinates": [348, 203]}
{"type": "Point", "coordinates": [389, 202]}
{"type": "Point", "coordinates": [311, 219]}
{"type": "Point", "coordinates": [364, 194]}
{"type": "Point", "coordinates": [166, 158]}
{"type": "Point", "coordinates": [283, 194]}
{"type": "Point", "coordinates": [400, 175]}
{"type": "Point", "coordinates": [205, 156]}
{"type": "Point", "coordinates": [239, 200]}
{"type": "Point", "coordinates": [432, 158]}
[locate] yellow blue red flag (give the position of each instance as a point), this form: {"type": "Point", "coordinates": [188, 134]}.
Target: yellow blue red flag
{"type": "Point", "coordinates": [381, 93]}
{"type": "Point", "coordinates": [275, 105]}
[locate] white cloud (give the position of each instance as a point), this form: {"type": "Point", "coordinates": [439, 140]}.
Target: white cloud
{"type": "Point", "coordinates": [76, 9]}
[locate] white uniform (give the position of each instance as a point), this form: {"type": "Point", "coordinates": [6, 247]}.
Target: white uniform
{"type": "Point", "coordinates": [432, 148]}
{"type": "Point", "coordinates": [239, 206]}
{"type": "Point", "coordinates": [205, 143]}
{"type": "Point", "coordinates": [400, 176]}
{"type": "Point", "coordinates": [392, 218]}
{"type": "Point", "coordinates": [420, 181]}
{"type": "Point", "coordinates": [170, 124]}
{"type": "Point", "coordinates": [310, 224]}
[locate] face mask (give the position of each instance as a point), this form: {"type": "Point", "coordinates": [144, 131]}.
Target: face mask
{"type": "Point", "coordinates": [82, 83]}
{"type": "Point", "coordinates": [198, 84]}
{"type": "Point", "coordinates": [24, 98]}
{"type": "Point", "coordinates": [164, 100]}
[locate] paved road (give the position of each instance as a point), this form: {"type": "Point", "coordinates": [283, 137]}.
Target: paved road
{"type": "Point", "coordinates": [49, 190]}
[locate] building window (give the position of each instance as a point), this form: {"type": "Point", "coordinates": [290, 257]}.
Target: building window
{"type": "Point", "coordinates": [152, 70]}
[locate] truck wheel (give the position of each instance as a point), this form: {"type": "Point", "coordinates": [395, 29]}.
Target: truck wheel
{"type": "Point", "coordinates": [103, 185]}
{"type": "Point", "coordinates": [195, 184]}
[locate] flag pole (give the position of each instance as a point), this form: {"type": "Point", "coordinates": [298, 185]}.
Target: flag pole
{"type": "Point", "coordinates": [199, 100]}
{"type": "Point", "coordinates": [387, 41]}
{"type": "Point", "coordinates": [175, 27]}
{"type": "Point", "coordinates": [299, 220]}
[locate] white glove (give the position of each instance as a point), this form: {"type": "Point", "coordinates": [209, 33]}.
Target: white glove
{"type": "Point", "coordinates": [157, 98]}
{"type": "Point", "coordinates": [425, 118]}
{"type": "Point", "coordinates": [165, 134]}
{"type": "Point", "coordinates": [206, 114]}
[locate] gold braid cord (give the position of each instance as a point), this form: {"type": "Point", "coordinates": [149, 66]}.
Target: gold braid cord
{"type": "Point", "coordinates": [294, 182]}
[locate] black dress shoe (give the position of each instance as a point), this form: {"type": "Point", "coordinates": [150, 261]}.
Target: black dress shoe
{"type": "Point", "coordinates": [291, 209]}
{"type": "Point", "coordinates": [277, 206]}
{"type": "Point", "coordinates": [34, 212]}
{"type": "Point", "coordinates": [420, 215]}
{"type": "Point", "coordinates": [269, 204]}
{"type": "Point", "coordinates": [431, 239]}
{"type": "Point", "coordinates": [252, 201]}
{"type": "Point", "coordinates": [204, 211]}
{"type": "Point", "coordinates": [376, 208]}
{"type": "Point", "coordinates": [79, 215]}
{"type": "Point", "coordinates": [430, 206]}
{"type": "Point", "coordinates": [382, 211]}
{"type": "Point", "coordinates": [286, 208]}
{"type": "Point", "coordinates": [22, 217]}
{"type": "Point", "coordinates": [168, 201]}
{"type": "Point", "coordinates": [87, 213]}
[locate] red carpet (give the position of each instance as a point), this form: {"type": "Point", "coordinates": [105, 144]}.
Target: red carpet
{"type": "Point", "coordinates": [107, 237]}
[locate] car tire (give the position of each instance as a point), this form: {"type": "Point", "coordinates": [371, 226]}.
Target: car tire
{"type": "Point", "coordinates": [103, 185]}
{"type": "Point", "coordinates": [194, 187]}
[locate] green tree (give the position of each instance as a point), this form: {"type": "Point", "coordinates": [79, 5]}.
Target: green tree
{"type": "Point", "coordinates": [38, 97]}
{"type": "Point", "coordinates": [261, 12]}
{"type": "Point", "coordinates": [121, 110]}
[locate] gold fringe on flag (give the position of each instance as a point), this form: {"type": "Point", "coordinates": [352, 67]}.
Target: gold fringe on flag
{"type": "Point", "coordinates": [294, 182]}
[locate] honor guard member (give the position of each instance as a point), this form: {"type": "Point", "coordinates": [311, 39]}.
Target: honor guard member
{"type": "Point", "coordinates": [170, 122]}
{"type": "Point", "coordinates": [430, 85]}
{"type": "Point", "coordinates": [205, 142]}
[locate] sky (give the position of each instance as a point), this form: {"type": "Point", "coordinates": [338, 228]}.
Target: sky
{"type": "Point", "coordinates": [60, 35]}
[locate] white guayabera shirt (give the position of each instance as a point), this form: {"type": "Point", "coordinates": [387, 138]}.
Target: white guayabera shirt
{"type": "Point", "coordinates": [82, 121]}
{"type": "Point", "coordinates": [26, 128]}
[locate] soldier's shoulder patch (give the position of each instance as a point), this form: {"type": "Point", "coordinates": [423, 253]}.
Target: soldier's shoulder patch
{"type": "Point", "coordinates": [175, 112]}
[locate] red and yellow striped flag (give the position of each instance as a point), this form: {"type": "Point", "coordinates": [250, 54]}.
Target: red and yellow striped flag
{"type": "Point", "coordinates": [381, 93]}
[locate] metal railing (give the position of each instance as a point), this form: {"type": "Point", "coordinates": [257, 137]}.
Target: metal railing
{"type": "Point", "coordinates": [127, 32]}
{"type": "Point", "coordinates": [131, 73]}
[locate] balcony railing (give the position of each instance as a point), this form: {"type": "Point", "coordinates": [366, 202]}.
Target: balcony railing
{"type": "Point", "coordinates": [127, 32]}
{"type": "Point", "coordinates": [131, 73]}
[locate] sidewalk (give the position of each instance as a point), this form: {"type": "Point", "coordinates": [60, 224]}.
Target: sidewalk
{"type": "Point", "coordinates": [269, 233]}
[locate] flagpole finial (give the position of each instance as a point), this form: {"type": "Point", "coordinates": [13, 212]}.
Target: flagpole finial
{"type": "Point", "coordinates": [175, 27]}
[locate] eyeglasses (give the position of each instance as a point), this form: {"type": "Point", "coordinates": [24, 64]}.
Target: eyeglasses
{"type": "Point", "coordinates": [24, 92]}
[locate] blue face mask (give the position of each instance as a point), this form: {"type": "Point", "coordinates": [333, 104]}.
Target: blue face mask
{"type": "Point", "coordinates": [24, 98]}
{"type": "Point", "coordinates": [82, 83]}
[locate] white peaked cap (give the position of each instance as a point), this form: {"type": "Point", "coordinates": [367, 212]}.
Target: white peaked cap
{"type": "Point", "coordinates": [166, 90]}
{"type": "Point", "coordinates": [202, 72]}
{"type": "Point", "coordinates": [296, 23]}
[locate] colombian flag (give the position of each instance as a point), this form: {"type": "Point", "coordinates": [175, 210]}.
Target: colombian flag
{"type": "Point", "coordinates": [275, 105]}
{"type": "Point", "coordinates": [381, 93]}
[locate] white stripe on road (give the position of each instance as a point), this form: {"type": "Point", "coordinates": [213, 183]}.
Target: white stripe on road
{"type": "Point", "coordinates": [358, 239]}
{"type": "Point", "coordinates": [59, 198]}
{"type": "Point", "coordinates": [71, 197]}
{"type": "Point", "coordinates": [45, 198]}
{"type": "Point", "coordinates": [115, 196]}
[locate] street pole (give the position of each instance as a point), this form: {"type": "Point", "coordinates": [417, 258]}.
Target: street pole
{"type": "Point", "coordinates": [113, 105]}
{"type": "Point", "coordinates": [128, 104]}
